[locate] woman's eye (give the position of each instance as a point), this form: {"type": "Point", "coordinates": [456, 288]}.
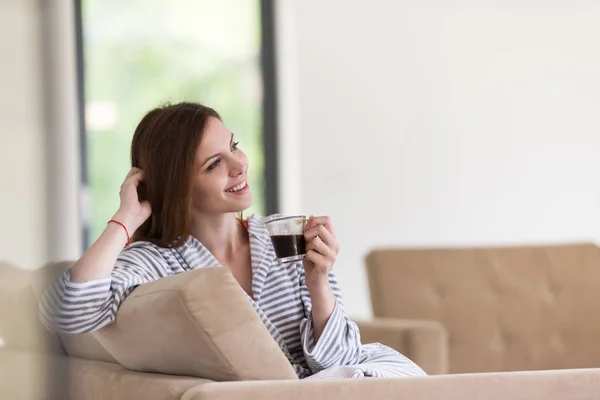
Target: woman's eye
{"type": "Point", "coordinates": [214, 165]}
{"type": "Point", "coordinates": [235, 146]}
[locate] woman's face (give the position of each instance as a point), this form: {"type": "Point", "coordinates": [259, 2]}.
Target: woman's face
{"type": "Point", "coordinates": [221, 172]}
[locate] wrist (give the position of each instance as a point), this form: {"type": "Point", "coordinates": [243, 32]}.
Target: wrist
{"type": "Point", "coordinates": [319, 287]}
{"type": "Point", "coordinates": [126, 219]}
{"type": "Point", "coordinates": [117, 232]}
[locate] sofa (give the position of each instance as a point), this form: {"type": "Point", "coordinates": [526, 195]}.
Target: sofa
{"type": "Point", "coordinates": [220, 358]}
{"type": "Point", "coordinates": [508, 308]}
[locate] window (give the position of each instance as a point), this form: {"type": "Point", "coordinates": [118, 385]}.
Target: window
{"type": "Point", "coordinates": [138, 54]}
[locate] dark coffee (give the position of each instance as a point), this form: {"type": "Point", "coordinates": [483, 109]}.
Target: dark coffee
{"type": "Point", "coordinates": [288, 245]}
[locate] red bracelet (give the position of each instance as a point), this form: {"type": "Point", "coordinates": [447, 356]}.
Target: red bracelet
{"type": "Point", "coordinates": [126, 231]}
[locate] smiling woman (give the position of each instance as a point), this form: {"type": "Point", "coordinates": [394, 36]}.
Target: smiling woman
{"type": "Point", "coordinates": [193, 179]}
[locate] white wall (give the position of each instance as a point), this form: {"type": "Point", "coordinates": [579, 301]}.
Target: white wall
{"type": "Point", "coordinates": [436, 122]}
{"type": "Point", "coordinates": [22, 141]}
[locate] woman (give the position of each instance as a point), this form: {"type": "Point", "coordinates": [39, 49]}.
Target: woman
{"type": "Point", "coordinates": [188, 180]}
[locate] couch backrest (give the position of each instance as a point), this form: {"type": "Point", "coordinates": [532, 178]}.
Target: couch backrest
{"type": "Point", "coordinates": [20, 327]}
{"type": "Point", "coordinates": [506, 308]}
{"type": "Point", "coordinates": [82, 346]}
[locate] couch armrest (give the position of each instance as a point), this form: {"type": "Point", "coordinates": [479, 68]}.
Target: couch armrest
{"type": "Point", "coordinates": [575, 384]}
{"type": "Point", "coordinates": [424, 342]}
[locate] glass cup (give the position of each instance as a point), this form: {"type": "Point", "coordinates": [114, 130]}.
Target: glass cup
{"type": "Point", "coordinates": [287, 236]}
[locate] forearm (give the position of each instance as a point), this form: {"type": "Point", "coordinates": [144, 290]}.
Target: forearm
{"type": "Point", "coordinates": [80, 301]}
{"type": "Point", "coordinates": [329, 337]}
{"type": "Point", "coordinates": [86, 297]}
{"type": "Point", "coordinates": [323, 303]}
{"type": "Point", "coordinates": [99, 260]}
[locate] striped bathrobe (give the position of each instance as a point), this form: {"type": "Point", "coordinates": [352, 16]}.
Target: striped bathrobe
{"type": "Point", "coordinates": [281, 299]}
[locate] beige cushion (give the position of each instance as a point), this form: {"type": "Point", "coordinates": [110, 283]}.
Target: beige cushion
{"type": "Point", "coordinates": [198, 323]}
{"type": "Point", "coordinates": [86, 346]}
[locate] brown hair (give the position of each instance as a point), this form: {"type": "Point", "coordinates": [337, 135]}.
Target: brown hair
{"type": "Point", "coordinates": [164, 146]}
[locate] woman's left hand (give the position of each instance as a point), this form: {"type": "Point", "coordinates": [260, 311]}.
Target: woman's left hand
{"type": "Point", "coordinates": [322, 249]}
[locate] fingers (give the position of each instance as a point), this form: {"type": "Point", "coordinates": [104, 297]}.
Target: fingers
{"type": "Point", "coordinates": [137, 177]}
{"type": "Point", "coordinates": [322, 228]}
{"type": "Point", "coordinates": [318, 245]}
{"type": "Point", "coordinates": [323, 233]}
{"type": "Point", "coordinates": [315, 221]}
{"type": "Point", "coordinates": [318, 259]}
{"type": "Point", "coordinates": [134, 176]}
{"type": "Point", "coordinates": [132, 172]}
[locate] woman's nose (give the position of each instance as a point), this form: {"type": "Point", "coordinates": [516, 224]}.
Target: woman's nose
{"type": "Point", "coordinates": [238, 167]}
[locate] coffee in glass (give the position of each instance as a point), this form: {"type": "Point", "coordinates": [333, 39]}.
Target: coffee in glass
{"type": "Point", "coordinates": [287, 236]}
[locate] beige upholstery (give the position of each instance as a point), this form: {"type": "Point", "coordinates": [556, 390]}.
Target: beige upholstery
{"type": "Point", "coordinates": [23, 375]}
{"type": "Point", "coordinates": [32, 376]}
{"type": "Point", "coordinates": [82, 346]}
{"type": "Point", "coordinates": [99, 380]}
{"type": "Point", "coordinates": [424, 342]}
{"type": "Point", "coordinates": [20, 327]}
{"type": "Point", "coordinates": [506, 308]}
{"type": "Point", "coordinates": [198, 323]}
{"type": "Point", "coordinates": [539, 385]}
{"type": "Point", "coordinates": [37, 374]}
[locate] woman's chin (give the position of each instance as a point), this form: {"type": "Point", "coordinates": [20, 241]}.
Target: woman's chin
{"type": "Point", "coordinates": [239, 201]}
{"type": "Point", "coordinates": [245, 203]}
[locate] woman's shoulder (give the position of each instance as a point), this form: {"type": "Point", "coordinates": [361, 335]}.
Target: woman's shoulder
{"type": "Point", "coordinates": [146, 261]}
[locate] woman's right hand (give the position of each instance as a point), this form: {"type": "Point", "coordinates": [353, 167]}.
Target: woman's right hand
{"type": "Point", "coordinates": [132, 211]}
{"type": "Point", "coordinates": [99, 260]}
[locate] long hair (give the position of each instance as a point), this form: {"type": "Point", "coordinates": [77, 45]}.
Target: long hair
{"type": "Point", "coordinates": [164, 147]}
